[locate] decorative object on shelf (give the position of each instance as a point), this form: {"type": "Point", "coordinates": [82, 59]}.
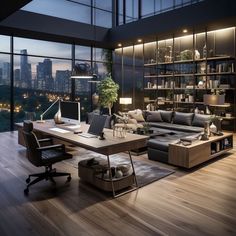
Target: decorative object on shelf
{"type": "Point", "coordinates": [196, 110]}
{"type": "Point", "coordinates": [218, 122]}
{"type": "Point", "coordinates": [197, 55]}
{"type": "Point", "coordinates": [213, 128]}
{"type": "Point", "coordinates": [200, 84]}
{"type": "Point", "coordinates": [204, 51]}
{"type": "Point", "coordinates": [186, 55]}
{"type": "Point", "coordinates": [207, 110]}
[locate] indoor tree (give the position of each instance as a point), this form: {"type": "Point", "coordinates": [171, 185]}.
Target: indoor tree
{"type": "Point", "coordinates": [107, 90]}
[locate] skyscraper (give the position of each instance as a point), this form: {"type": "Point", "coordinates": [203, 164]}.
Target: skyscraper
{"type": "Point", "coordinates": [6, 73]}
{"type": "Point", "coordinates": [44, 75]}
{"type": "Point", "coordinates": [62, 81]}
{"type": "Point", "coordinates": [25, 70]}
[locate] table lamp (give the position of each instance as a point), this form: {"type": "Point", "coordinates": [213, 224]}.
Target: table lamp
{"type": "Point", "coordinates": [125, 101]}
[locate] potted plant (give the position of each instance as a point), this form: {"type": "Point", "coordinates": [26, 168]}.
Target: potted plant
{"type": "Point", "coordinates": [108, 93]}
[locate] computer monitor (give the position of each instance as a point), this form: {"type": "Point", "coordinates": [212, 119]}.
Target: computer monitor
{"type": "Point", "coordinates": [70, 112]}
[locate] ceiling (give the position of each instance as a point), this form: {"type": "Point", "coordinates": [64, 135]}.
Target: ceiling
{"type": "Point", "coordinates": [11, 6]}
{"type": "Point", "coordinates": [209, 14]}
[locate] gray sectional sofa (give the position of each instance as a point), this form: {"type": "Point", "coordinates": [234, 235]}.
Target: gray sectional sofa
{"type": "Point", "coordinates": [174, 126]}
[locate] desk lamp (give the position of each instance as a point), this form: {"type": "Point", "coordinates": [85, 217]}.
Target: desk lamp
{"type": "Point", "coordinates": [57, 117]}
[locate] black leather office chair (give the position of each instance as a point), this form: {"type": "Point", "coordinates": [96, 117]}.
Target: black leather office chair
{"type": "Point", "coordinates": [40, 155]}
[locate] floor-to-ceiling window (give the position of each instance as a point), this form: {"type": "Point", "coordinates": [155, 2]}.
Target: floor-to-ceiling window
{"type": "Point", "coordinates": [5, 83]}
{"type": "Point", "coordinates": [40, 72]}
{"type": "Point", "coordinates": [94, 12]}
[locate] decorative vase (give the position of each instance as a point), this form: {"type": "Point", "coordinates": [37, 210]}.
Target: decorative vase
{"type": "Point", "coordinates": [95, 98]}
{"type": "Point", "coordinates": [213, 128]}
{"type": "Point", "coordinates": [57, 117]}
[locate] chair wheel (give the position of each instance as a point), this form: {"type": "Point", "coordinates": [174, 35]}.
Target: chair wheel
{"type": "Point", "coordinates": [27, 180]}
{"type": "Point", "coordinates": [68, 178]}
{"type": "Point", "coordinates": [26, 191]}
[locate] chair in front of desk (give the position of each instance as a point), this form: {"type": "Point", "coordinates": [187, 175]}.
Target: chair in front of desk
{"type": "Point", "coordinates": [40, 155]}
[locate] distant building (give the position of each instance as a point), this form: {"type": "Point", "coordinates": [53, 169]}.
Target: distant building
{"type": "Point", "coordinates": [25, 70]}
{"type": "Point", "coordinates": [44, 75]}
{"type": "Point", "coordinates": [62, 81]}
{"type": "Point", "coordinates": [0, 76]}
{"type": "Point", "coordinates": [17, 78]}
{"type": "Point", "coordinates": [6, 73]}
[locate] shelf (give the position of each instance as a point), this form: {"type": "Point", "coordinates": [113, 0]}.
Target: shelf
{"type": "Point", "coordinates": [216, 58]}
{"type": "Point", "coordinates": [215, 73]}
{"type": "Point", "coordinates": [228, 118]}
{"type": "Point", "coordinates": [158, 76]}
{"type": "Point", "coordinates": [181, 75]}
{"type": "Point", "coordinates": [150, 88]}
{"type": "Point", "coordinates": [220, 152]}
{"type": "Point", "coordinates": [150, 64]}
{"type": "Point", "coordinates": [189, 74]}
{"type": "Point", "coordinates": [191, 60]}
{"type": "Point", "coordinates": [183, 88]}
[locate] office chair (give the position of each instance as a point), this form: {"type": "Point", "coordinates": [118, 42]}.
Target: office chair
{"type": "Point", "coordinates": [40, 155]}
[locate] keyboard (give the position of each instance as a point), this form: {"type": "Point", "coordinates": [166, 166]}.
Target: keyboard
{"type": "Point", "coordinates": [88, 135]}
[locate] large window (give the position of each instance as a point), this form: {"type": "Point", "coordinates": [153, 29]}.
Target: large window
{"type": "Point", "coordinates": [75, 10]}
{"type": "Point", "coordinates": [41, 74]}
{"type": "Point", "coordinates": [4, 92]}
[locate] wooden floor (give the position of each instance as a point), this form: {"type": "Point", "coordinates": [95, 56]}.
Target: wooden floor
{"type": "Point", "coordinates": [198, 202]}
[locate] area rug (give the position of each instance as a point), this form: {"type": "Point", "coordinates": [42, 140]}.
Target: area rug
{"type": "Point", "coordinates": [146, 173]}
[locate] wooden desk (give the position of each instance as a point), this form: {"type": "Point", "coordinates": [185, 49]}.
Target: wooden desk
{"type": "Point", "coordinates": [111, 145]}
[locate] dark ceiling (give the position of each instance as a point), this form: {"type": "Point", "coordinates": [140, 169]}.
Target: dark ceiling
{"type": "Point", "coordinates": [8, 7]}
{"type": "Point", "coordinates": [209, 14]}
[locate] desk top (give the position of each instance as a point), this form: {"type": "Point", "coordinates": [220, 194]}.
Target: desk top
{"type": "Point", "coordinates": [110, 145]}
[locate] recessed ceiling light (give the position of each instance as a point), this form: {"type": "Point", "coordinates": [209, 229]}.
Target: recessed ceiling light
{"type": "Point", "coordinates": [139, 40]}
{"type": "Point", "coordinates": [119, 45]}
{"type": "Point", "coordinates": [185, 31]}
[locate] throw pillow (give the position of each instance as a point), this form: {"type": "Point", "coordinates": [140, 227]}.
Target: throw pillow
{"type": "Point", "coordinates": [154, 116]}
{"type": "Point", "coordinates": [166, 115]}
{"type": "Point", "coordinates": [200, 119]}
{"type": "Point", "coordinates": [183, 118]}
{"type": "Point", "coordinates": [137, 115]}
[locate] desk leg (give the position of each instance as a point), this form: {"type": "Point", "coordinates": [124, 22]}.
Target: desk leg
{"type": "Point", "coordinates": [112, 184]}
{"type": "Point", "coordinates": [131, 161]}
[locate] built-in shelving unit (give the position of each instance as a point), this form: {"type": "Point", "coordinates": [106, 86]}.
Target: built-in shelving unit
{"type": "Point", "coordinates": [179, 71]}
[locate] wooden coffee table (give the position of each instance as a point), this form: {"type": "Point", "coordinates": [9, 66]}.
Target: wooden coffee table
{"type": "Point", "coordinates": [200, 151]}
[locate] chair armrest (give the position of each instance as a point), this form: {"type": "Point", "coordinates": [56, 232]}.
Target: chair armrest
{"type": "Point", "coordinates": [55, 146]}
{"type": "Point", "coordinates": [45, 140]}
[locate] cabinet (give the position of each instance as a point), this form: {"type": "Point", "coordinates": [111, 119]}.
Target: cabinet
{"type": "Point", "coordinates": [179, 71]}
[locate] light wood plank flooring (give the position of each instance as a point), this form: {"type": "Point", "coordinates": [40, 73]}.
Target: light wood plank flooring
{"type": "Point", "coordinates": [197, 202]}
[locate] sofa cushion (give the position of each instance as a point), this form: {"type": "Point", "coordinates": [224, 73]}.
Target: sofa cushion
{"type": "Point", "coordinates": [154, 116]}
{"type": "Point", "coordinates": [183, 118]}
{"type": "Point", "coordinates": [177, 127]}
{"type": "Point", "coordinates": [166, 115]}
{"type": "Point", "coordinates": [200, 119]}
{"type": "Point", "coordinates": [137, 115]}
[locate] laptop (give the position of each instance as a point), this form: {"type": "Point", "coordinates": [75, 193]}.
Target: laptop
{"type": "Point", "coordinates": [96, 127]}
